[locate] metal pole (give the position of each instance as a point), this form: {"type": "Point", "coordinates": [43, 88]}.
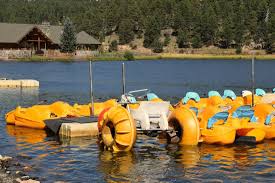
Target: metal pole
{"type": "Point", "coordinates": [91, 87]}
{"type": "Point", "coordinates": [253, 79]}
{"type": "Point", "coordinates": [123, 79]}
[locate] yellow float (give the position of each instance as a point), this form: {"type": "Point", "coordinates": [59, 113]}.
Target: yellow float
{"type": "Point", "coordinates": [33, 117]}
{"type": "Point", "coordinates": [186, 125]}
{"type": "Point", "coordinates": [117, 129]}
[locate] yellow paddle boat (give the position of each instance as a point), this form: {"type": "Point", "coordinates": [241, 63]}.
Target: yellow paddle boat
{"type": "Point", "coordinates": [266, 117]}
{"type": "Point", "coordinates": [247, 124]}
{"type": "Point", "coordinates": [118, 126]}
{"type": "Point", "coordinates": [213, 128]}
{"type": "Point", "coordinates": [33, 117]}
{"type": "Point", "coordinates": [85, 110]}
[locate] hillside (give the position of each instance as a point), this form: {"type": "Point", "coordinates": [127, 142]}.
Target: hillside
{"type": "Point", "coordinates": [158, 25]}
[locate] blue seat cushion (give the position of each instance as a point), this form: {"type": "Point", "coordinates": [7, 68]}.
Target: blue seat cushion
{"type": "Point", "coordinates": [213, 93]}
{"type": "Point", "coordinates": [191, 96]}
{"type": "Point", "coordinates": [151, 96]}
{"type": "Point", "coordinates": [218, 116]}
{"type": "Point", "coordinates": [229, 94]}
{"type": "Point", "coordinates": [195, 110]}
{"type": "Point", "coordinates": [245, 112]}
{"type": "Point", "coordinates": [260, 92]}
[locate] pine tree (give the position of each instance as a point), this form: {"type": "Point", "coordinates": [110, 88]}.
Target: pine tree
{"type": "Point", "coordinates": [125, 31]}
{"type": "Point", "coordinates": [270, 39]}
{"type": "Point", "coordinates": [152, 32]}
{"type": "Point", "coordinates": [68, 37]}
{"type": "Point", "coordinates": [182, 39]}
{"type": "Point", "coordinates": [196, 41]}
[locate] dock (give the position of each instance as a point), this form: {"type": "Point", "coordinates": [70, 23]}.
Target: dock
{"type": "Point", "coordinates": [73, 127]}
{"type": "Point", "coordinates": [20, 83]}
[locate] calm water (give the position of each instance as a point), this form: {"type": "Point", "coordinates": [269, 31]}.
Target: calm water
{"type": "Point", "coordinates": [152, 160]}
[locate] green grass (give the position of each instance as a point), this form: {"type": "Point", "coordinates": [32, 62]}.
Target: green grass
{"type": "Point", "coordinates": [212, 56]}
{"type": "Point", "coordinates": [168, 56]}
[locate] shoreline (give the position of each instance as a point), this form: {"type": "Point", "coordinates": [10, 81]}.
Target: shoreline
{"type": "Point", "coordinates": [164, 56]}
{"type": "Point", "coordinates": [11, 171]}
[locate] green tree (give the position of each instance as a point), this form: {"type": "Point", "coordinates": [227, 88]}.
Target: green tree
{"type": "Point", "coordinates": [270, 42]}
{"type": "Point", "coordinates": [68, 37]}
{"type": "Point", "coordinates": [152, 32]}
{"type": "Point", "coordinates": [182, 39]}
{"type": "Point", "coordinates": [196, 41]}
{"type": "Point", "coordinates": [226, 33]}
{"type": "Point", "coordinates": [125, 31]}
{"type": "Point", "coordinates": [113, 46]}
{"type": "Point", "coordinates": [208, 23]}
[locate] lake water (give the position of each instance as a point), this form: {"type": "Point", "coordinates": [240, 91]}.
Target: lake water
{"type": "Point", "coordinates": [152, 159]}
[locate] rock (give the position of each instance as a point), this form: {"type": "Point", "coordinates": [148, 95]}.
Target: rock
{"type": "Point", "coordinates": [17, 164]}
{"type": "Point", "coordinates": [27, 168]}
{"type": "Point", "coordinates": [29, 181]}
{"type": "Point", "coordinates": [20, 173]}
{"type": "Point", "coordinates": [25, 178]}
{"type": "Point", "coordinates": [18, 180]}
{"type": "Point", "coordinates": [5, 158]}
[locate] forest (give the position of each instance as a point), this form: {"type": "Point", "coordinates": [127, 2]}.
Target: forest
{"type": "Point", "coordinates": [195, 23]}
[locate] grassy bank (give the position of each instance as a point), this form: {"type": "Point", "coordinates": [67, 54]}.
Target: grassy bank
{"type": "Point", "coordinates": [167, 56]}
{"type": "Point", "coordinates": [213, 56]}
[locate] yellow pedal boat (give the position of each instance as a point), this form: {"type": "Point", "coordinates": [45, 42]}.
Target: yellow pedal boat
{"type": "Point", "coordinates": [33, 117]}
{"type": "Point", "coordinates": [213, 128]}
{"type": "Point", "coordinates": [85, 110]}
{"type": "Point", "coordinates": [247, 124]}
{"type": "Point", "coordinates": [266, 117]}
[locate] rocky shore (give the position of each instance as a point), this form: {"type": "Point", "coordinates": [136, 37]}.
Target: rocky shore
{"type": "Point", "coordinates": [11, 171]}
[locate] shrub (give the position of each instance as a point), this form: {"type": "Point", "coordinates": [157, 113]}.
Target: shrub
{"type": "Point", "coordinates": [157, 46]}
{"type": "Point", "coordinates": [113, 46]}
{"type": "Point", "coordinates": [196, 42]}
{"type": "Point", "coordinates": [238, 50]}
{"type": "Point", "coordinates": [129, 55]}
{"type": "Point", "coordinates": [166, 40]}
{"type": "Point", "coordinates": [182, 39]}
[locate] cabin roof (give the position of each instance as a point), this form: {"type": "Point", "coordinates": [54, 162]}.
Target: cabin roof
{"type": "Point", "coordinates": [14, 33]}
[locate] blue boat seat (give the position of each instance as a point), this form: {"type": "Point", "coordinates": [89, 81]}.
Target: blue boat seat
{"type": "Point", "coordinates": [213, 93]}
{"type": "Point", "coordinates": [191, 96]}
{"type": "Point", "coordinates": [245, 112]}
{"type": "Point", "coordinates": [269, 118]}
{"type": "Point", "coordinates": [218, 116]}
{"type": "Point", "coordinates": [260, 92]}
{"type": "Point", "coordinates": [195, 110]}
{"type": "Point", "coordinates": [131, 99]}
{"type": "Point", "coordinates": [229, 94]}
{"type": "Point", "coordinates": [151, 96]}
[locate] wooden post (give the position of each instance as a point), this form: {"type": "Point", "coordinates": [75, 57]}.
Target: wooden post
{"type": "Point", "coordinates": [91, 88]}
{"type": "Point", "coordinates": [123, 79]}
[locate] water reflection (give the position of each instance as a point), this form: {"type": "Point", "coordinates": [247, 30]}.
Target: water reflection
{"type": "Point", "coordinates": [18, 96]}
{"type": "Point", "coordinates": [79, 142]}
{"type": "Point", "coordinates": [116, 166]}
{"type": "Point", "coordinates": [188, 156]}
{"type": "Point", "coordinates": [26, 135]}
